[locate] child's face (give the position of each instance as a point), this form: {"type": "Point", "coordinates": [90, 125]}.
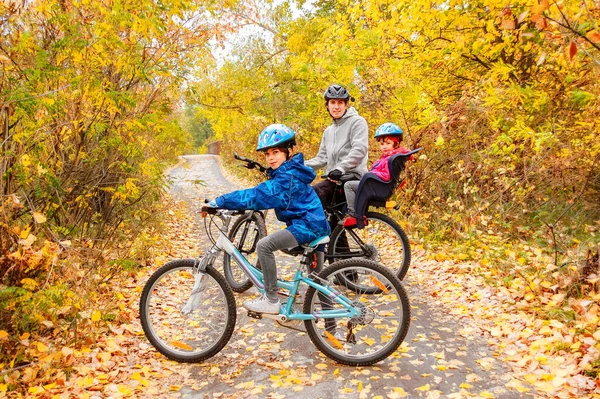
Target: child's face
{"type": "Point", "coordinates": [386, 144]}
{"type": "Point", "coordinates": [275, 157]}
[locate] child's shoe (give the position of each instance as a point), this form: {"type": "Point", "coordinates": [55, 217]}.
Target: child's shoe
{"type": "Point", "coordinates": [263, 305]}
{"type": "Point", "coordinates": [348, 221]}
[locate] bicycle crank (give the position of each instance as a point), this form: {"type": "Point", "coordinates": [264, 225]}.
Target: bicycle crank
{"type": "Point", "coordinates": [277, 317]}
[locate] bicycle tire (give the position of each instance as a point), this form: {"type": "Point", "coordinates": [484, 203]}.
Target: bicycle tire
{"type": "Point", "coordinates": [385, 240]}
{"type": "Point", "coordinates": [201, 333]}
{"type": "Point", "coordinates": [373, 335]}
{"type": "Point", "coordinates": [245, 233]}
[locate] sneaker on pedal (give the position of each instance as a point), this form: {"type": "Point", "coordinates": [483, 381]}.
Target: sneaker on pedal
{"type": "Point", "coordinates": [262, 305]}
{"type": "Point", "coordinates": [348, 221]}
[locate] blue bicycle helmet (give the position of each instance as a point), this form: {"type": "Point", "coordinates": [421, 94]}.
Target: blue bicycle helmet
{"type": "Point", "coordinates": [388, 129]}
{"type": "Point", "coordinates": [276, 135]}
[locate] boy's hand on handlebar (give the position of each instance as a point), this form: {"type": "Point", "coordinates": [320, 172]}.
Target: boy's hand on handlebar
{"type": "Point", "coordinates": [210, 206]}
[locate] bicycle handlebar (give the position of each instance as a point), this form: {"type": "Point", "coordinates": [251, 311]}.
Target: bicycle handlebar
{"type": "Point", "coordinates": [250, 164]}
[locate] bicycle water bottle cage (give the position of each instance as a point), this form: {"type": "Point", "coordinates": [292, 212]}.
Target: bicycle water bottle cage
{"type": "Point", "coordinates": [372, 190]}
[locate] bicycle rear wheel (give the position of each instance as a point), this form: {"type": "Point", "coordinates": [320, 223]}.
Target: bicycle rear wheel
{"type": "Point", "coordinates": [380, 327]}
{"type": "Point", "coordinates": [382, 240]}
{"type": "Point", "coordinates": [183, 326]}
{"type": "Point", "coordinates": [245, 233]}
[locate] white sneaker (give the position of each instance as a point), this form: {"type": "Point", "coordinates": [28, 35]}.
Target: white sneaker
{"type": "Point", "coordinates": [263, 305]}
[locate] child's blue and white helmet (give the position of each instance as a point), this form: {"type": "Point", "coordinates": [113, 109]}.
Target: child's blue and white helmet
{"type": "Point", "coordinates": [276, 135]}
{"type": "Point", "coordinates": [388, 129]}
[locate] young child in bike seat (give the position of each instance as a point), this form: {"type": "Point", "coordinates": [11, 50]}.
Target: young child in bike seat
{"type": "Point", "coordinates": [295, 202]}
{"type": "Point", "coordinates": [389, 137]}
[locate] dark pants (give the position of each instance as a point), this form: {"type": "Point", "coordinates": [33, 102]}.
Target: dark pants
{"type": "Point", "coordinates": [325, 190]}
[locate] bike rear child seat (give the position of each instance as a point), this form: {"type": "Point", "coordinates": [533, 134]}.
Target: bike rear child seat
{"type": "Point", "coordinates": [372, 190]}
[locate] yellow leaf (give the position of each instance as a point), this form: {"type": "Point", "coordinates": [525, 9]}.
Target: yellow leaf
{"type": "Point", "coordinates": [41, 347]}
{"type": "Point", "coordinates": [333, 340]}
{"type": "Point", "coordinates": [486, 394]}
{"type": "Point", "coordinates": [3, 335]}
{"type": "Point", "coordinates": [379, 284]}
{"type": "Point", "coordinates": [360, 386]}
{"type": "Point", "coordinates": [464, 385]}
{"type": "Point", "coordinates": [85, 381]}
{"type": "Point", "coordinates": [529, 296]}
{"type": "Point", "coordinates": [36, 390]}
{"type": "Point", "coordinates": [124, 389]}
{"type": "Point", "coordinates": [336, 371]}
{"type": "Point", "coordinates": [96, 316]}
{"type": "Point", "coordinates": [39, 218]}
{"type": "Point", "coordinates": [546, 284]}
{"type": "Point", "coordinates": [3, 387]}
{"type": "Point", "coordinates": [370, 341]}
{"type": "Point", "coordinates": [25, 160]}
{"type": "Point", "coordinates": [423, 388]}
{"type": "Point", "coordinates": [181, 345]}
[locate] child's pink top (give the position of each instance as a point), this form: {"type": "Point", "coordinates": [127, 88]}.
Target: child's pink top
{"type": "Point", "coordinates": [381, 168]}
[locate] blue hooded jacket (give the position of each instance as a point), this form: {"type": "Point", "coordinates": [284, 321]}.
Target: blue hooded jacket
{"type": "Point", "coordinates": [288, 191]}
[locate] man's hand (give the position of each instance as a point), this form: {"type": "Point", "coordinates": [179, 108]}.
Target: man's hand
{"type": "Point", "coordinates": [335, 174]}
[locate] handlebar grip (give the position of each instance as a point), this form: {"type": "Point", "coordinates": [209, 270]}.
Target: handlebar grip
{"type": "Point", "coordinates": [241, 158]}
{"type": "Point", "coordinates": [210, 210]}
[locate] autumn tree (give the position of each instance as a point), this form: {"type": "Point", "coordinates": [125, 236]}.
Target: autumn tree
{"type": "Point", "coordinates": [87, 94]}
{"type": "Point", "coordinates": [502, 96]}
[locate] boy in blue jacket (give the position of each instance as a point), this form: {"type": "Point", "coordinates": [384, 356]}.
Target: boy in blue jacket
{"type": "Point", "coordinates": [295, 202]}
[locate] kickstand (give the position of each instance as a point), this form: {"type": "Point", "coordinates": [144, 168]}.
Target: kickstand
{"type": "Point", "coordinates": [350, 338]}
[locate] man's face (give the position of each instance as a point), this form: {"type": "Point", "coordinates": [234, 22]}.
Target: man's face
{"type": "Point", "coordinates": [337, 107]}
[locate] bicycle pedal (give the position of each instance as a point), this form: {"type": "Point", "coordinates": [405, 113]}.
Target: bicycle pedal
{"type": "Point", "coordinates": [255, 315]}
{"type": "Point", "coordinates": [260, 316]}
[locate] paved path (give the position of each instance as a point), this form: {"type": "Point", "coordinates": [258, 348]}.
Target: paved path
{"type": "Point", "coordinates": [440, 357]}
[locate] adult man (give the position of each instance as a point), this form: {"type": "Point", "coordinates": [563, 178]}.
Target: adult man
{"type": "Point", "coordinates": [344, 145]}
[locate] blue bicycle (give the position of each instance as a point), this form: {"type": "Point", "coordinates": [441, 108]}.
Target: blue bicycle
{"type": "Point", "coordinates": [188, 311]}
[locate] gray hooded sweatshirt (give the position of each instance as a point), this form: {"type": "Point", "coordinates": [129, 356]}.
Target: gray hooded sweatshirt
{"type": "Point", "coordinates": [344, 145]}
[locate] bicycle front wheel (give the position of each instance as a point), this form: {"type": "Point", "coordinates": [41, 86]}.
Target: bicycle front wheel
{"type": "Point", "coordinates": [382, 240]}
{"type": "Point", "coordinates": [245, 233]}
{"type": "Point", "coordinates": [188, 316]}
{"type": "Point", "coordinates": [370, 336]}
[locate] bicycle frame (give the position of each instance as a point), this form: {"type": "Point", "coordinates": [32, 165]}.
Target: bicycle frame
{"type": "Point", "coordinates": [256, 276]}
